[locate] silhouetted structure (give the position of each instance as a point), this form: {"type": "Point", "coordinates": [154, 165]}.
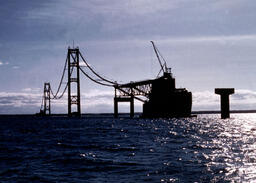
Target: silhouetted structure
{"type": "Point", "coordinates": [47, 99]}
{"type": "Point", "coordinates": [163, 99]}
{"type": "Point", "coordinates": [124, 99]}
{"type": "Point", "coordinates": [224, 98]}
{"type": "Point", "coordinates": [167, 101]}
{"type": "Point", "coordinates": [72, 66]}
{"type": "Point", "coordinates": [73, 78]}
{"type": "Point", "coordinates": [45, 109]}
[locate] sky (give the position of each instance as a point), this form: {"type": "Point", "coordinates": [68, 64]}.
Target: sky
{"type": "Point", "coordinates": [208, 44]}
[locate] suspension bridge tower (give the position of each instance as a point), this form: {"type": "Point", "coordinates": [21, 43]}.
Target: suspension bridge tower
{"type": "Point", "coordinates": [47, 99]}
{"type": "Point", "coordinates": [74, 106]}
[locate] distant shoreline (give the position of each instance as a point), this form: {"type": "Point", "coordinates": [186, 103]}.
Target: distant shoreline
{"type": "Point", "coordinates": [110, 114]}
{"type": "Point", "coordinates": [218, 112]}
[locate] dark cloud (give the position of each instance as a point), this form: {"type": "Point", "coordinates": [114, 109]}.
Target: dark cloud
{"type": "Point", "coordinates": [89, 20]}
{"type": "Point", "coordinates": [14, 26]}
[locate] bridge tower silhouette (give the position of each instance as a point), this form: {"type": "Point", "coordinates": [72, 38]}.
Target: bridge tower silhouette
{"type": "Point", "coordinates": [73, 83]}
{"type": "Point", "coordinates": [47, 99]}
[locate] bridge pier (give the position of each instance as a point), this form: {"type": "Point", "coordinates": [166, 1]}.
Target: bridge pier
{"type": "Point", "coordinates": [224, 100]}
{"type": "Point", "coordinates": [124, 99]}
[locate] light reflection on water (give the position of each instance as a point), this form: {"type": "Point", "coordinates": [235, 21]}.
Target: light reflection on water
{"type": "Point", "coordinates": [97, 149]}
{"type": "Point", "coordinates": [235, 148]}
{"type": "Point", "coordinates": [225, 146]}
{"type": "Point", "coordinates": [234, 152]}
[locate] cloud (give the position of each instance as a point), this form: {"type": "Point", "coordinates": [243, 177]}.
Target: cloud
{"type": "Point", "coordinates": [16, 67]}
{"type": "Point", "coordinates": [142, 18]}
{"type": "Point", "coordinates": [205, 100]}
{"type": "Point", "coordinates": [208, 100]}
{"type": "Point", "coordinates": [203, 39]}
{"type": "Point", "coordinates": [31, 90]}
{"type": "Point", "coordinates": [16, 103]}
{"type": "Point", "coordinates": [28, 101]}
{"type": "Point", "coordinates": [100, 7]}
{"type": "Point", "coordinates": [244, 97]}
{"type": "Point", "coordinates": [99, 101]}
{"type": "Point", "coordinates": [4, 63]}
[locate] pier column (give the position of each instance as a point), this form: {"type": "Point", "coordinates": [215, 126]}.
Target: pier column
{"type": "Point", "coordinates": [124, 99]}
{"type": "Point", "coordinates": [115, 107]}
{"type": "Point", "coordinates": [132, 107]}
{"type": "Point", "coordinates": [224, 100]}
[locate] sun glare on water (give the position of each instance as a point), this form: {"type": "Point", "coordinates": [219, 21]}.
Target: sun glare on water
{"type": "Point", "coordinates": [235, 148]}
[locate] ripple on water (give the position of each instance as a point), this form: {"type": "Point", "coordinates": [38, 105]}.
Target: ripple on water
{"type": "Point", "coordinates": [97, 149]}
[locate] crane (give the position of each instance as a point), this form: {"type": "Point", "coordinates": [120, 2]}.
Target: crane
{"type": "Point", "coordinates": [162, 63]}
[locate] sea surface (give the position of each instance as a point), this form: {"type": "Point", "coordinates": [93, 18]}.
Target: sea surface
{"type": "Point", "coordinates": [99, 148]}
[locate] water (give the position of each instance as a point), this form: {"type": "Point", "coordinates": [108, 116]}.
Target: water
{"type": "Point", "coordinates": [103, 149]}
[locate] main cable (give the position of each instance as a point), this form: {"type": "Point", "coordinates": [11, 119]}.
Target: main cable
{"type": "Point", "coordinates": [94, 80]}
{"type": "Point", "coordinates": [112, 82]}
{"type": "Point", "coordinates": [61, 80]}
{"type": "Point", "coordinates": [55, 96]}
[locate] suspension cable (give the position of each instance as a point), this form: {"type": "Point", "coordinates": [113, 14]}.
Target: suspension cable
{"type": "Point", "coordinates": [112, 82]}
{"type": "Point", "coordinates": [59, 97]}
{"type": "Point", "coordinates": [61, 80]}
{"type": "Point", "coordinates": [55, 96]}
{"type": "Point", "coordinates": [94, 80]}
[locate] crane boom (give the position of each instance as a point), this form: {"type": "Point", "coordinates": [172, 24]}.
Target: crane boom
{"type": "Point", "coordinates": [161, 61]}
{"type": "Point", "coordinates": [158, 58]}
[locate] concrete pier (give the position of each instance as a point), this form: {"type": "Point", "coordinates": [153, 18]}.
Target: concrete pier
{"type": "Point", "coordinates": [224, 98]}
{"type": "Point", "coordinates": [124, 99]}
